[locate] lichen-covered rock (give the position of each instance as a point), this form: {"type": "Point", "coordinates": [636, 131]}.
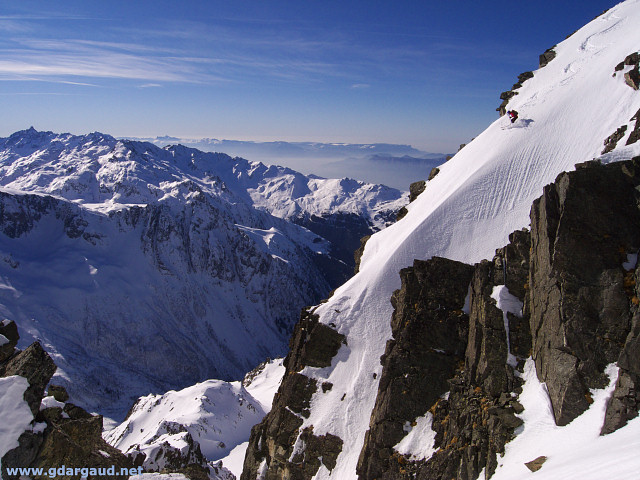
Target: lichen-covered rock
{"type": "Point", "coordinates": [429, 338]}
{"type": "Point", "coordinates": [582, 228]}
{"type": "Point", "coordinates": [37, 367]}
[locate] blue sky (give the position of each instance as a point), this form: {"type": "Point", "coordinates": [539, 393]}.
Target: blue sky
{"type": "Point", "coordinates": [423, 73]}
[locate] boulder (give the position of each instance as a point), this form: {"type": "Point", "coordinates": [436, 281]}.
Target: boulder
{"type": "Point", "coordinates": [58, 392]}
{"type": "Point", "coordinates": [8, 339]}
{"type": "Point", "coordinates": [37, 367]}
{"type": "Point", "coordinates": [416, 188]}
{"type": "Point", "coordinates": [536, 464]}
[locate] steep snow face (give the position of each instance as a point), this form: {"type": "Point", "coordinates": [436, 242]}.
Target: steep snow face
{"type": "Point", "coordinates": [485, 192]}
{"type": "Point", "coordinates": [142, 269]}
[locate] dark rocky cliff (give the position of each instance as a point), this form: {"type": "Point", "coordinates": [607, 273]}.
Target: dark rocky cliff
{"type": "Point", "coordinates": [60, 435]}
{"type": "Point", "coordinates": [575, 275]}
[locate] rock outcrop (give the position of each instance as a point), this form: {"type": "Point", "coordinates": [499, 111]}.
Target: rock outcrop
{"type": "Point", "coordinates": [415, 189]}
{"type": "Point", "coordinates": [634, 136]}
{"type": "Point", "coordinates": [509, 94]}
{"type": "Point", "coordinates": [278, 447]}
{"type": "Point", "coordinates": [429, 332]}
{"type": "Point", "coordinates": [583, 227]}
{"type": "Point", "coordinates": [612, 140]}
{"type": "Point", "coordinates": [632, 75]}
{"type": "Point", "coordinates": [61, 433]}
{"type": "Point", "coordinates": [462, 360]}
{"type": "Point", "coordinates": [548, 55]}
{"type": "Point", "coordinates": [8, 338]}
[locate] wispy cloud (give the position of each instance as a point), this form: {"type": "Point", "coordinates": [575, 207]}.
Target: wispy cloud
{"type": "Point", "coordinates": [194, 52]}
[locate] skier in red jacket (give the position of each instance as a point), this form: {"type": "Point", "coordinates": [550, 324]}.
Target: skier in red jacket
{"type": "Point", "coordinates": [513, 115]}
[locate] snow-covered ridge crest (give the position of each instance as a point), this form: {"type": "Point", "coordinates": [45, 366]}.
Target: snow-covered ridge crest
{"type": "Point", "coordinates": [101, 172]}
{"type": "Point", "coordinates": [468, 210]}
{"type": "Point", "coordinates": [200, 424]}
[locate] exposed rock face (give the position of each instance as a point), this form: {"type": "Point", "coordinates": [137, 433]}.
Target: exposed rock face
{"type": "Point", "coordinates": [8, 338]}
{"type": "Point", "coordinates": [436, 348]}
{"type": "Point", "coordinates": [580, 312]}
{"type": "Point", "coordinates": [625, 401]}
{"type": "Point", "coordinates": [62, 435]}
{"type": "Point", "coordinates": [632, 76]}
{"type": "Point", "coordinates": [612, 140]}
{"type": "Point", "coordinates": [357, 254]}
{"type": "Point", "coordinates": [415, 189]}
{"type": "Point", "coordinates": [429, 332]}
{"type": "Point", "coordinates": [634, 136]}
{"type": "Point", "coordinates": [575, 275]}
{"type": "Point", "coordinates": [278, 448]}
{"type": "Point", "coordinates": [37, 367]}
{"type": "Point", "coordinates": [548, 55]}
{"type": "Point", "coordinates": [508, 95]}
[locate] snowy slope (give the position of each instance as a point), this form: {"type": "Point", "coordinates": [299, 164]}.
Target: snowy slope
{"type": "Point", "coordinates": [142, 269]}
{"type": "Point", "coordinates": [575, 451]}
{"type": "Point", "coordinates": [217, 415]}
{"type": "Point", "coordinates": [14, 411]}
{"type": "Point", "coordinates": [485, 192]}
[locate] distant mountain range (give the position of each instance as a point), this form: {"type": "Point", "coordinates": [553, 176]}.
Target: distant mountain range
{"type": "Point", "coordinates": [375, 162]}
{"type": "Point", "coordinates": [142, 268]}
